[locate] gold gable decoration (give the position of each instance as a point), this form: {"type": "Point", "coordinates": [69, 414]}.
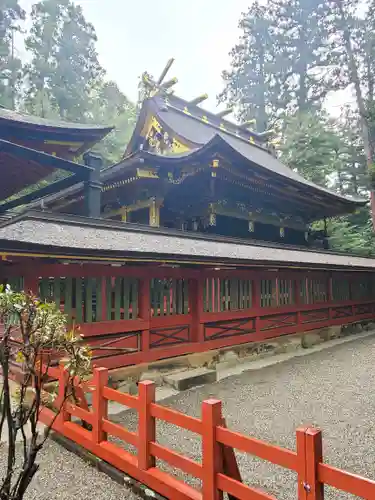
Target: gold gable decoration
{"type": "Point", "coordinates": [160, 142]}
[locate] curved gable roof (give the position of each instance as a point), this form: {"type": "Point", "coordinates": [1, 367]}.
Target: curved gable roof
{"type": "Point", "coordinates": [205, 135]}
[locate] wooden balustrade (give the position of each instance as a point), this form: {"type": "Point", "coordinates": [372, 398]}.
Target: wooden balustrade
{"type": "Point", "coordinates": [136, 314]}
{"type": "Point", "coordinates": [306, 461]}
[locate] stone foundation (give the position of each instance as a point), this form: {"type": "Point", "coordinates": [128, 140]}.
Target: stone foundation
{"type": "Point", "coordinates": [126, 379]}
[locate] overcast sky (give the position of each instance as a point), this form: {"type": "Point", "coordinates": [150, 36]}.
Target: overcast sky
{"type": "Point", "coordinates": [139, 35]}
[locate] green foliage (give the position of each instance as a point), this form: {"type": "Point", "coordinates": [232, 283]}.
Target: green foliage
{"type": "Point", "coordinates": [307, 65]}
{"type": "Point", "coordinates": [326, 152]}
{"type": "Point", "coordinates": [284, 62]}
{"type": "Point", "coordinates": [65, 80]}
{"type": "Point", "coordinates": [291, 55]}
{"type": "Point", "coordinates": [252, 83]}
{"type": "Point", "coordinates": [353, 234]}
{"type": "Point", "coordinates": [41, 327]}
{"type": "Point", "coordinates": [32, 332]}
{"type": "Point", "coordinates": [10, 66]}
{"type": "Point", "coordinates": [311, 147]}
{"type": "Point", "coordinates": [110, 105]}
{"type": "Point", "coordinates": [64, 66]}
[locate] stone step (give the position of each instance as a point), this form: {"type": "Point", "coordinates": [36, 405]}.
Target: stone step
{"type": "Point", "coordinates": [190, 378]}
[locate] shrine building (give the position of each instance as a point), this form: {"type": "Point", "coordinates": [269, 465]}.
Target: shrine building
{"type": "Point", "coordinates": [199, 238]}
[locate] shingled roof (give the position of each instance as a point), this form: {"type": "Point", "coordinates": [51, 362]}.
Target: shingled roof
{"type": "Point", "coordinates": [10, 115]}
{"type": "Point", "coordinates": [64, 139]}
{"type": "Point", "coordinates": [202, 129]}
{"type": "Point", "coordinates": [206, 134]}
{"type": "Point", "coordinates": [85, 236]}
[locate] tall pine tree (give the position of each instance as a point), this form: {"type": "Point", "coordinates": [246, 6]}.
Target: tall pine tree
{"type": "Point", "coordinates": [64, 66]}
{"type": "Point", "coordinates": [252, 82]}
{"type": "Point", "coordinates": [110, 106]}
{"type": "Point", "coordinates": [285, 62]}
{"type": "Point", "coordinates": [11, 14]}
{"type": "Point", "coordinates": [308, 64]}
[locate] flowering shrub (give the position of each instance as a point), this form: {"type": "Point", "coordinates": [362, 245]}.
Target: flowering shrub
{"type": "Point", "coordinates": [32, 333]}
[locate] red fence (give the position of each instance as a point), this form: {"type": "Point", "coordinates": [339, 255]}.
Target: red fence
{"type": "Point", "coordinates": [141, 314]}
{"type": "Point", "coordinates": [306, 461]}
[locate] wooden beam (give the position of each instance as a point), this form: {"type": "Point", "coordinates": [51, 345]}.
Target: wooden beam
{"type": "Point", "coordinates": [55, 187]}
{"type": "Point", "coordinates": [254, 216]}
{"type": "Point", "coordinates": [154, 213]}
{"type": "Point", "coordinates": [247, 124]}
{"type": "Point", "coordinates": [139, 205]}
{"type": "Point", "coordinates": [165, 71]}
{"type": "Point", "coordinates": [169, 83]}
{"type": "Point", "coordinates": [198, 99]}
{"type": "Point", "coordinates": [224, 112]}
{"type": "Point", "coordinates": [267, 133]}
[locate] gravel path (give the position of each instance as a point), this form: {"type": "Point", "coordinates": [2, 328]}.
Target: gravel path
{"type": "Point", "coordinates": [64, 476]}
{"type": "Point", "coordinates": [332, 389]}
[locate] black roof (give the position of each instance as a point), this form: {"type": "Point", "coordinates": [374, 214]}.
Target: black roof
{"type": "Point", "coordinates": [81, 236]}
{"type": "Point", "coordinates": [32, 120]}
{"type": "Point", "coordinates": [204, 134]}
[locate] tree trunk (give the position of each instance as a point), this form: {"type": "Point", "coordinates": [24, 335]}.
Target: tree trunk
{"type": "Point", "coordinates": [355, 79]}
{"type": "Point", "coordinates": [262, 120]}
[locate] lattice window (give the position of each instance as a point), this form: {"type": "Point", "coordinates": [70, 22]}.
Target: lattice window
{"type": "Point", "coordinates": [268, 293]}
{"type": "Point", "coordinates": [121, 297]}
{"type": "Point", "coordinates": [169, 297]}
{"type": "Point", "coordinates": [222, 294]}
{"type": "Point", "coordinates": [362, 289]}
{"type": "Point", "coordinates": [340, 289]}
{"type": "Point", "coordinates": [82, 298]}
{"type": "Point", "coordinates": [285, 292]}
{"type": "Point", "coordinates": [16, 284]}
{"type": "Point", "coordinates": [313, 290]}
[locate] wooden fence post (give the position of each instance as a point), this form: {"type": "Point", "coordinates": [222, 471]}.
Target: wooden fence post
{"type": "Point", "coordinates": [297, 298]}
{"type": "Point", "coordinates": [314, 455]}
{"type": "Point", "coordinates": [212, 461]}
{"type": "Point", "coordinates": [99, 404]}
{"type": "Point", "coordinates": [146, 424]}
{"type": "Point", "coordinates": [256, 299]}
{"type": "Point", "coordinates": [309, 453]}
{"type": "Point", "coordinates": [144, 306]}
{"type": "Point", "coordinates": [63, 415]}
{"type": "Point", "coordinates": [196, 308]}
{"type": "Point", "coordinates": [301, 460]}
{"type": "Point", "coordinates": [330, 296]}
